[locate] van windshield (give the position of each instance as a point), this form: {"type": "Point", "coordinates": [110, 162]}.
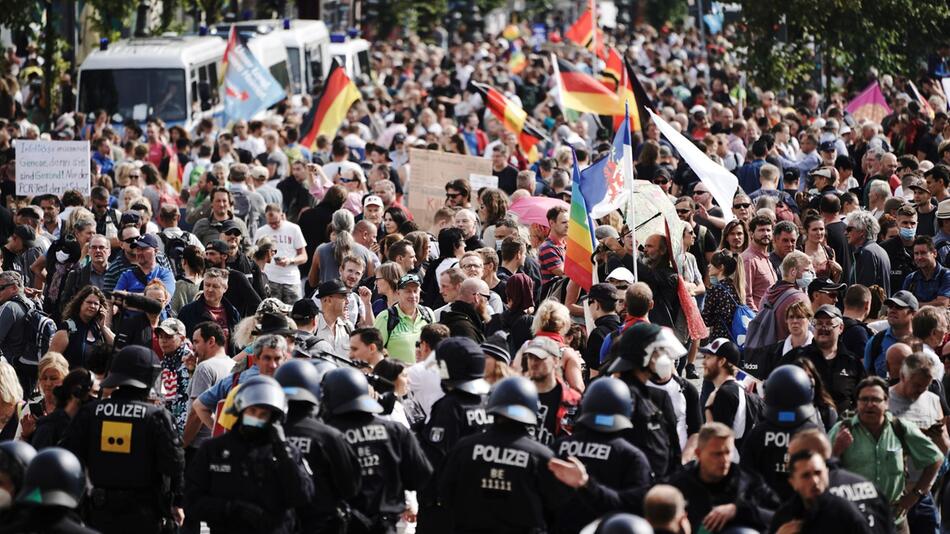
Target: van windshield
{"type": "Point", "coordinates": [293, 58]}
{"type": "Point", "coordinates": [135, 93]}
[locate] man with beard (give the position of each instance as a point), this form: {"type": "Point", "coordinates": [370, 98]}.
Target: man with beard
{"type": "Point", "coordinates": [93, 273]}
{"type": "Point", "coordinates": [760, 275]}
{"type": "Point", "coordinates": [655, 270]}
{"type": "Point", "coordinates": [559, 403]}
{"type": "Point", "coordinates": [239, 289]}
{"type": "Point", "coordinates": [727, 404]}
{"type": "Point", "coordinates": [466, 317]}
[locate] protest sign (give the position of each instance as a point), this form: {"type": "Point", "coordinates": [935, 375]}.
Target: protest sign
{"type": "Point", "coordinates": [52, 167]}
{"type": "Point", "coordinates": [480, 181]}
{"type": "Point", "coordinates": [430, 172]}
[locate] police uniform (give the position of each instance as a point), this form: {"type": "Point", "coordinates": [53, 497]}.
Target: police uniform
{"type": "Point", "coordinates": [654, 428]}
{"type": "Point", "coordinates": [236, 484]}
{"type": "Point", "coordinates": [391, 462]}
{"type": "Point", "coordinates": [863, 494]}
{"type": "Point", "coordinates": [336, 470]}
{"type": "Point", "coordinates": [45, 520]}
{"type": "Point", "coordinates": [454, 416]}
{"type": "Point", "coordinates": [498, 481]}
{"type": "Point", "coordinates": [828, 513]}
{"type": "Point", "coordinates": [619, 474]}
{"type": "Point", "coordinates": [134, 458]}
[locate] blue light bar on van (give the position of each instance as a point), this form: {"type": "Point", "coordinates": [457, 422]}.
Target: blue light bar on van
{"type": "Point", "coordinates": [202, 30]}
{"type": "Point", "coordinates": [353, 33]}
{"type": "Point", "coordinates": [286, 24]}
{"type": "Point", "coordinates": [104, 43]}
{"type": "Point", "coordinates": [337, 38]}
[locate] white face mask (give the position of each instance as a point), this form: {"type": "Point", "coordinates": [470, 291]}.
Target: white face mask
{"type": "Point", "coordinates": [5, 499]}
{"type": "Point", "coordinates": [62, 256]}
{"type": "Point", "coordinates": [250, 421]}
{"type": "Point", "coordinates": [663, 367]}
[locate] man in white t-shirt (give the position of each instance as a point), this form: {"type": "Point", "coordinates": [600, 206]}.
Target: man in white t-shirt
{"type": "Point", "coordinates": [282, 271]}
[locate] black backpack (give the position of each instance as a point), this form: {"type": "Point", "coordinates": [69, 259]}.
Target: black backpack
{"type": "Point", "coordinates": [555, 288]}
{"type": "Point", "coordinates": [174, 251]}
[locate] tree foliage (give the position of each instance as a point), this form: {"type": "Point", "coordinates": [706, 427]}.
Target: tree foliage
{"type": "Point", "coordinates": [780, 37]}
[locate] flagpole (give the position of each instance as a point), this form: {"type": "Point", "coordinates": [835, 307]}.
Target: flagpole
{"type": "Point", "coordinates": [627, 168]}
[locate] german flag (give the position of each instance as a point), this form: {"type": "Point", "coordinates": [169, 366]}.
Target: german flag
{"type": "Point", "coordinates": [330, 109]}
{"type": "Point", "coordinates": [513, 117]}
{"type": "Point", "coordinates": [613, 70]}
{"type": "Point", "coordinates": [582, 92]}
{"type": "Point", "coordinates": [631, 92]}
{"type": "Point", "coordinates": [584, 32]}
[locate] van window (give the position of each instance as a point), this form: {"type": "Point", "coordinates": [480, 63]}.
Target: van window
{"type": "Point", "coordinates": [293, 58]}
{"type": "Point", "coordinates": [279, 72]}
{"type": "Point", "coordinates": [161, 91]}
{"type": "Point", "coordinates": [314, 69]}
{"type": "Point", "coordinates": [363, 58]}
{"type": "Point", "coordinates": [209, 74]}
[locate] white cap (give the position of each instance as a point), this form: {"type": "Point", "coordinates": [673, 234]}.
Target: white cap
{"type": "Point", "coordinates": [373, 199]}
{"type": "Point", "coordinates": [622, 274]}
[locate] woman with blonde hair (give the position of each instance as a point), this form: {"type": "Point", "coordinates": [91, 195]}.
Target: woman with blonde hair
{"type": "Point", "coordinates": [11, 402]}
{"type": "Point", "coordinates": [51, 370]}
{"type": "Point", "coordinates": [553, 320]}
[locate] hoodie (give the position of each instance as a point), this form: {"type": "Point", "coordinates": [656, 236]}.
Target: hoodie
{"type": "Point", "coordinates": [773, 294]}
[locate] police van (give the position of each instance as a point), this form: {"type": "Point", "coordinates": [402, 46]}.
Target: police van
{"type": "Point", "coordinates": [305, 43]}
{"type": "Point", "coordinates": [352, 54]}
{"type": "Point", "coordinates": [173, 78]}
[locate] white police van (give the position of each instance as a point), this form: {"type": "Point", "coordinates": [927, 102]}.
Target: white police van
{"type": "Point", "coordinates": [173, 78]}
{"type": "Point", "coordinates": [352, 53]}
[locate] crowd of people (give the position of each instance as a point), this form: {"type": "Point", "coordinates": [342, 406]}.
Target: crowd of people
{"type": "Point", "coordinates": [236, 330]}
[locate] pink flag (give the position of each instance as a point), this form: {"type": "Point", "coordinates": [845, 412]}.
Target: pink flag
{"type": "Point", "coordinates": [869, 105]}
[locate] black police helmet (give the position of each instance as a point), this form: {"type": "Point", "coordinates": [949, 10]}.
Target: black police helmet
{"type": "Point", "coordinates": [346, 390]}
{"type": "Point", "coordinates": [637, 345]}
{"type": "Point", "coordinates": [606, 406]}
{"type": "Point", "coordinates": [300, 380]}
{"type": "Point", "coordinates": [623, 524]}
{"type": "Point", "coordinates": [261, 391]}
{"type": "Point", "coordinates": [53, 478]}
{"type": "Point", "coordinates": [462, 365]}
{"type": "Point", "coordinates": [788, 395]}
{"type": "Point", "coordinates": [738, 530]}
{"type": "Point", "coordinates": [134, 366]}
{"type": "Point", "coordinates": [15, 455]}
{"type": "Point", "coordinates": [515, 398]}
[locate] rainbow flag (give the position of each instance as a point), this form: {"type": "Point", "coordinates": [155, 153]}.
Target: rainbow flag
{"type": "Point", "coordinates": [517, 62]}
{"type": "Point", "coordinates": [869, 105]}
{"type": "Point", "coordinates": [580, 237]}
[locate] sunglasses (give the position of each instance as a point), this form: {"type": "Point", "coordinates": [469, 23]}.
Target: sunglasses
{"type": "Point", "coordinates": [452, 195]}
{"type": "Point", "coordinates": [130, 241]}
{"type": "Point", "coordinates": [349, 180]}
{"type": "Point", "coordinates": [233, 232]}
{"type": "Point", "coordinates": [699, 192]}
{"type": "Point", "coordinates": [683, 211]}
{"type": "Point", "coordinates": [743, 206]}
{"type": "Point", "coordinates": [661, 182]}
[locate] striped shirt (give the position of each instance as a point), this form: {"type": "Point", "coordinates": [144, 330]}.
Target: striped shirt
{"type": "Point", "coordinates": [551, 256]}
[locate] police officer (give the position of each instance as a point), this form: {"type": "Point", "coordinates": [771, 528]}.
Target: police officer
{"type": "Point", "coordinates": [336, 471]}
{"type": "Point", "coordinates": [53, 485]}
{"type": "Point", "coordinates": [461, 412]}
{"type": "Point", "coordinates": [617, 473]}
{"type": "Point", "coordinates": [788, 409]}
{"type": "Point", "coordinates": [654, 420]}
{"type": "Point", "coordinates": [623, 524]}
{"type": "Point", "coordinates": [498, 480]}
{"type": "Point", "coordinates": [390, 457]}
{"type": "Point", "coordinates": [130, 449]}
{"type": "Point", "coordinates": [250, 479]}
{"type": "Point", "coordinates": [15, 455]}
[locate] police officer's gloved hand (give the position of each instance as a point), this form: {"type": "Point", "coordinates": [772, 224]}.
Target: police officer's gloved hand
{"type": "Point", "coordinates": [246, 513]}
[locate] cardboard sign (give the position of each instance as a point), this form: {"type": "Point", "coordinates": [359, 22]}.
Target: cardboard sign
{"type": "Point", "coordinates": [431, 170]}
{"type": "Point", "coordinates": [480, 181]}
{"type": "Point", "coordinates": [52, 167]}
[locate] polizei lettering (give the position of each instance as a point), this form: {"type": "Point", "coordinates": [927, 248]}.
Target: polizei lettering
{"type": "Point", "coordinates": [478, 417]}
{"type": "Point", "coordinates": [776, 439]}
{"type": "Point", "coordinates": [133, 411]}
{"type": "Point", "coordinates": [366, 433]}
{"type": "Point", "coordinates": [301, 443]}
{"type": "Point", "coordinates": [596, 451]}
{"type": "Point", "coordinates": [499, 455]}
{"type": "Point", "coordinates": [859, 491]}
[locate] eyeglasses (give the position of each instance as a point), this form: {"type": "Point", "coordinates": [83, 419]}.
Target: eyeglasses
{"type": "Point", "coordinates": [349, 180]}
{"type": "Point", "coordinates": [684, 211]}
{"type": "Point", "coordinates": [452, 195]}
{"type": "Point", "coordinates": [871, 400]}
{"type": "Point", "coordinates": [661, 182]}
{"type": "Point", "coordinates": [484, 295]}
{"type": "Point", "coordinates": [743, 205]}
{"type": "Point", "coordinates": [699, 192]}
{"type": "Point", "coordinates": [621, 287]}
{"type": "Point", "coordinates": [135, 176]}
{"type": "Point", "coordinates": [472, 266]}
{"type": "Point", "coordinates": [130, 241]}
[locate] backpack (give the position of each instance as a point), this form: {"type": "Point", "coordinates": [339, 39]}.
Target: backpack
{"type": "Point", "coordinates": [877, 342]}
{"type": "Point", "coordinates": [242, 204]}
{"type": "Point", "coordinates": [174, 251]}
{"type": "Point", "coordinates": [555, 288]}
{"type": "Point", "coordinates": [392, 319]}
{"type": "Point", "coordinates": [761, 330]}
{"type": "Point", "coordinates": [754, 409]}
{"type": "Point", "coordinates": [741, 319]}
{"type": "Point", "coordinates": [38, 329]}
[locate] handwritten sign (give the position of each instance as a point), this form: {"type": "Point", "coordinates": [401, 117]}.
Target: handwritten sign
{"type": "Point", "coordinates": [431, 170]}
{"type": "Point", "coordinates": [52, 167]}
{"type": "Point", "coordinates": [481, 181]}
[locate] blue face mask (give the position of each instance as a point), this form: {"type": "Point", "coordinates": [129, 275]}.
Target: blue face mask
{"type": "Point", "coordinates": [908, 234]}
{"type": "Point", "coordinates": [250, 421]}
{"type": "Point", "coordinates": [807, 278]}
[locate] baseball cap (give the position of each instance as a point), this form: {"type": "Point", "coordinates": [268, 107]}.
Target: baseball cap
{"type": "Point", "coordinates": [826, 146]}
{"type": "Point", "coordinates": [147, 240]}
{"type": "Point", "coordinates": [723, 348]}
{"type": "Point", "coordinates": [824, 285]}
{"type": "Point", "coordinates": [258, 171]}
{"type": "Point", "coordinates": [697, 109]}
{"type": "Point", "coordinates": [828, 311]}
{"type": "Point", "coordinates": [304, 309]}
{"type": "Point", "coordinates": [172, 326]}
{"type": "Point", "coordinates": [916, 182]}
{"type": "Point", "coordinates": [407, 279]}
{"type": "Point", "coordinates": [903, 299]}
{"type": "Point", "coordinates": [943, 209]}
{"type": "Point", "coordinates": [373, 200]}
{"type": "Point", "coordinates": [129, 218]}
{"type": "Point", "coordinates": [621, 273]}
{"type": "Point", "coordinates": [32, 212]}
{"type": "Point", "coordinates": [602, 292]}
{"type": "Point", "coordinates": [542, 347]}
{"type": "Point", "coordinates": [26, 234]}
{"type": "Point", "coordinates": [399, 138]}
{"type": "Point", "coordinates": [605, 231]}
{"type": "Point", "coordinates": [824, 172]}
{"type": "Point", "coordinates": [228, 225]}
{"type": "Point", "coordinates": [273, 306]}
{"type": "Point", "coordinates": [218, 246]}
{"type": "Point", "coordinates": [331, 287]}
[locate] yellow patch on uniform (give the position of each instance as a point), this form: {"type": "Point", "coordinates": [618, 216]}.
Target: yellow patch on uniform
{"type": "Point", "coordinates": [116, 437]}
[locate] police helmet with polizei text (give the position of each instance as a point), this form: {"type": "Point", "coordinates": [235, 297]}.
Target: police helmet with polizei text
{"type": "Point", "coordinates": [788, 396]}
{"type": "Point", "coordinates": [261, 391]}
{"type": "Point", "coordinates": [300, 380]}
{"type": "Point", "coordinates": [346, 390]}
{"type": "Point", "coordinates": [134, 366]}
{"type": "Point", "coordinates": [639, 343]}
{"type": "Point", "coordinates": [462, 365]}
{"type": "Point", "coordinates": [515, 398]}
{"type": "Point", "coordinates": [623, 524]}
{"type": "Point", "coordinates": [606, 406]}
{"type": "Point", "coordinates": [15, 455]}
{"type": "Point", "coordinates": [53, 478]}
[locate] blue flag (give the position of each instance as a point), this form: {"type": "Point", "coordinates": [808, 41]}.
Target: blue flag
{"type": "Point", "coordinates": [249, 88]}
{"type": "Point", "coordinates": [607, 183]}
